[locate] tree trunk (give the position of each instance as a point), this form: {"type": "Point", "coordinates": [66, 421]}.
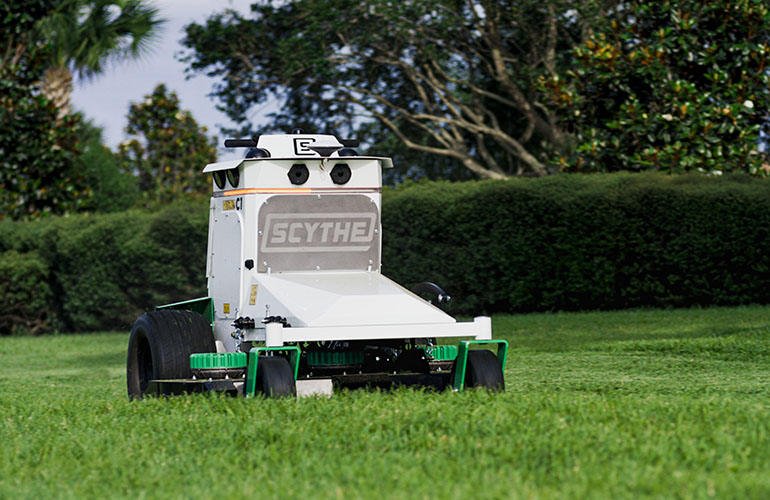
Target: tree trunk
{"type": "Point", "coordinates": [57, 88]}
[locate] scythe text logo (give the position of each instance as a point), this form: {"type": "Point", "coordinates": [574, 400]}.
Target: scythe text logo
{"type": "Point", "coordinates": [318, 232]}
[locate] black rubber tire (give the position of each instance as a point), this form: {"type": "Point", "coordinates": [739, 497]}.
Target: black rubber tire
{"type": "Point", "coordinates": [483, 371]}
{"type": "Point", "coordinates": [160, 346]}
{"type": "Point", "coordinates": [275, 378]}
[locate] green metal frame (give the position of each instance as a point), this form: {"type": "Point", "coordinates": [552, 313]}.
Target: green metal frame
{"type": "Point", "coordinates": [336, 358]}
{"type": "Point", "coordinates": [251, 370]}
{"type": "Point", "coordinates": [462, 358]}
{"type": "Point", "coordinates": [441, 352]}
{"type": "Point", "coordinates": [202, 305]}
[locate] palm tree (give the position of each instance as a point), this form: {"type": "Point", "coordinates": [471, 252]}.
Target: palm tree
{"type": "Point", "coordinates": [86, 35]}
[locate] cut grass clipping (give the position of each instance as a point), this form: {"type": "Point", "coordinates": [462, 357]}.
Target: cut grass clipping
{"type": "Point", "coordinates": [626, 404]}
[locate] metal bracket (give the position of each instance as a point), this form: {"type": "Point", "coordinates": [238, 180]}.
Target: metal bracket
{"type": "Point", "coordinates": [433, 289]}
{"type": "Point", "coordinates": [462, 359]}
{"type": "Point", "coordinates": [251, 370]}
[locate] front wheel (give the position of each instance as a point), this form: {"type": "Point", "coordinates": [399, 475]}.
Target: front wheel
{"type": "Point", "coordinates": [160, 346]}
{"type": "Point", "coordinates": [482, 371]}
{"type": "Point", "coordinates": [275, 377]}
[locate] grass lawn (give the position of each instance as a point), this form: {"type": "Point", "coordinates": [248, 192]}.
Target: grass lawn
{"type": "Point", "coordinates": [631, 404]}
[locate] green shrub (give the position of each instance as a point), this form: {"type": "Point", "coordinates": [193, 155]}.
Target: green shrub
{"type": "Point", "coordinates": [104, 269]}
{"type": "Point", "coordinates": [111, 268]}
{"type": "Point", "coordinates": [22, 236]}
{"type": "Point", "coordinates": [583, 242]}
{"type": "Point", "coordinates": [565, 242]}
{"type": "Point", "coordinates": [25, 294]}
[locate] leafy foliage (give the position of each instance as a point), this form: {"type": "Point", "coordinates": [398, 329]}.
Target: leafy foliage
{"type": "Point", "coordinates": [37, 150]}
{"type": "Point", "coordinates": [168, 150]}
{"type": "Point", "coordinates": [86, 35]}
{"type": "Point", "coordinates": [102, 270]}
{"type": "Point", "coordinates": [451, 79]}
{"type": "Point", "coordinates": [577, 242]}
{"type": "Point", "coordinates": [112, 268]}
{"type": "Point", "coordinates": [112, 189]}
{"type": "Point", "coordinates": [676, 85]}
{"type": "Point", "coordinates": [606, 241]}
{"type": "Point", "coordinates": [25, 294]}
{"type": "Point", "coordinates": [409, 164]}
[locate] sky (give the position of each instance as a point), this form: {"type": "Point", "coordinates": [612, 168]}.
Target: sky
{"type": "Point", "coordinates": [106, 98]}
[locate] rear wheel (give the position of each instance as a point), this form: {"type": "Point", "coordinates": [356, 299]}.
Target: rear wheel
{"type": "Point", "coordinates": [275, 377]}
{"type": "Point", "coordinates": [160, 346]}
{"type": "Point", "coordinates": [483, 371]}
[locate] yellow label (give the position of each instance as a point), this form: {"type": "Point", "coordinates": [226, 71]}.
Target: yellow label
{"type": "Point", "coordinates": [226, 308]}
{"type": "Point", "coordinates": [228, 205]}
{"type": "Point", "coordinates": [253, 296]}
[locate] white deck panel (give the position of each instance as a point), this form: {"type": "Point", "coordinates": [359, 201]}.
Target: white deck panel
{"type": "Point", "coordinates": [320, 299]}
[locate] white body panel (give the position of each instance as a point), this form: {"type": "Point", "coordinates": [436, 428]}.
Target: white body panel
{"type": "Point", "coordinates": [225, 263]}
{"type": "Point", "coordinates": [347, 299]}
{"type": "Point", "coordinates": [270, 173]}
{"type": "Point", "coordinates": [321, 285]}
{"type": "Point", "coordinates": [277, 335]}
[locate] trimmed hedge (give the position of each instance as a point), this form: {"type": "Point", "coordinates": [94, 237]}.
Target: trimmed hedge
{"type": "Point", "coordinates": [565, 242]}
{"type": "Point", "coordinates": [574, 242]}
{"type": "Point", "coordinates": [25, 294]}
{"type": "Point", "coordinates": [105, 270]}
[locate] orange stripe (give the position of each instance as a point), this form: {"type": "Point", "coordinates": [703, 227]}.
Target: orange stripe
{"type": "Point", "coordinates": [239, 192]}
{"type": "Point", "coordinates": [345, 189]}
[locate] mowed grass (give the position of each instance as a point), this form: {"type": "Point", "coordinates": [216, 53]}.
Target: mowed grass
{"type": "Point", "coordinates": [631, 404]}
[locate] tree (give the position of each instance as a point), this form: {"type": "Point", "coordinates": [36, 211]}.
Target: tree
{"type": "Point", "coordinates": [169, 148]}
{"type": "Point", "coordinates": [85, 35]}
{"type": "Point", "coordinates": [37, 150]}
{"type": "Point", "coordinates": [112, 188]}
{"type": "Point", "coordinates": [410, 164]}
{"type": "Point", "coordinates": [675, 85]}
{"type": "Point", "coordinates": [455, 79]}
